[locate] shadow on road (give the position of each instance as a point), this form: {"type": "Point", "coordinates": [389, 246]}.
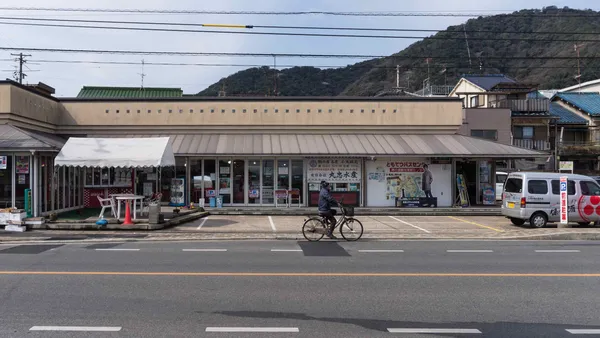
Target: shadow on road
{"type": "Point", "coordinates": [496, 329]}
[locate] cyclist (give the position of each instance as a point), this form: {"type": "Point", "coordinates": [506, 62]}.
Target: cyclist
{"type": "Point", "coordinates": [325, 204]}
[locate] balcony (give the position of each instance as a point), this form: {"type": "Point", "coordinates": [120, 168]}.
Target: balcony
{"type": "Point", "coordinates": [579, 148]}
{"type": "Point", "coordinates": [541, 145]}
{"type": "Point", "coordinates": [525, 105]}
{"type": "Point", "coordinates": [435, 90]}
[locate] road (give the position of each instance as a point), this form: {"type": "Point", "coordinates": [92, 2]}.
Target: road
{"type": "Point", "coordinates": [326, 289]}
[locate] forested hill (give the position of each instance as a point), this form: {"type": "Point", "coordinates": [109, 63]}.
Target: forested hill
{"type": "Point", "coordinates": [523, 45]}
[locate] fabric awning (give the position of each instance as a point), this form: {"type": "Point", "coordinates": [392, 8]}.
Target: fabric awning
{"type": "Point", "coordinates": [293, 144]}
{"type": "Point", "coordinates": [116, 153]}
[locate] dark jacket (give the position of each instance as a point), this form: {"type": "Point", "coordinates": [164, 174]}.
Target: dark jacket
{"type": "Point", "coordinates": [325, 200]}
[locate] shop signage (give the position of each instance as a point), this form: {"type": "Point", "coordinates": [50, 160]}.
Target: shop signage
{"type": "Point", "coordinates": [564, 210]}
{"type": "Point", "coordinates": [22, 179]}
{"type": "Point", "coordinates": [565, 166]}
{"type": "Point", "coordinates": [3, 162]}
{"type": "Point", "coordinates": [22, 165]}
{"type": "Point", "coordinates": [254, 193]}
{"type": "Point", "coordinates": [338, 170]}
{"type": "Point", "coordinates": [462, 190]}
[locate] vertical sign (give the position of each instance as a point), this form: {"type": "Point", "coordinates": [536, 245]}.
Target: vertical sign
{"type": "Point", "coordinates": [564, 210]}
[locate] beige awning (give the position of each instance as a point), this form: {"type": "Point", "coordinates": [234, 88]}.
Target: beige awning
{"type": "Point", "coordinates": [343, 145]}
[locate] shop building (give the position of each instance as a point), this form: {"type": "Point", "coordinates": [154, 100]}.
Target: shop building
{"type": "Point", "coordinates": [255, 151]}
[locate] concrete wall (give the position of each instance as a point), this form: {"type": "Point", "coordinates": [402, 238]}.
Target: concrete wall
{"type": "Point", "coordinates": [24, 103]}
{"type": "Point", "coordinates": [4, 98]}
{"type": "Point", "coordinates": [410, 113]}
{"type": "Point", "coordinates": [485, 118]}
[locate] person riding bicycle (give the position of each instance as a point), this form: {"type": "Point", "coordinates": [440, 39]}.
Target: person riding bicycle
{"type": "Point", "coordinates": [325, 204]}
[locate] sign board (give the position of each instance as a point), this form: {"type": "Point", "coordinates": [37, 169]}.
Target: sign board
{"type": "Point", "coordinates": [3, 162]}
{"type": "Point", "coordinates": [253, 193]}
{"type": "Point", "coordinates": [565, 166]}
{"type": "Point", "coordinates": [334, 170]}
{"type": "Point", "coordinates": [22, 165]}
{"type": "Point", "coordinates": [564, 210]}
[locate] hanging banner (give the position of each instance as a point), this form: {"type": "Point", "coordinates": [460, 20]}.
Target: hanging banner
{"type": "Point", "coordinates": [564, 210]}
{"type": "Point", "coordinates": [3, 162]}
{"type": "Point", "coordinates": [338, 170]}
{"type": "Point", "coordinates": [462, 190]}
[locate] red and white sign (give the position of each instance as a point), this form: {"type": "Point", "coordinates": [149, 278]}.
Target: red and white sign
{"type": "Point", "coordinates": [564, 209]}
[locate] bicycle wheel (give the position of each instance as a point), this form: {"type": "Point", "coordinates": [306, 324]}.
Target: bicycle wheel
{"type": "Point", "coordinates": [313, 229]}
{"type": "Point", "coordinates": [351, 230]}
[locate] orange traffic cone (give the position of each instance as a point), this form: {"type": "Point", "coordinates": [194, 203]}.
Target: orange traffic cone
{"type": "Point", "coordinates": [127, 220]}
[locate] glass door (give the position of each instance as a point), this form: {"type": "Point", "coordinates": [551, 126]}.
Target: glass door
{"type": "Point", "coordinates": [225, 181]}
{"type": "Point", "coordinates": [268, 181]}
{"type": "Point", "coordinates": [254, 182]}
{"type": "Point", "coordinates": [239, 182]}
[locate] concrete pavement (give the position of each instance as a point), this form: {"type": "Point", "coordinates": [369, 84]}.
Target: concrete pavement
{"type": "Point", "coordinates": [336, 289]}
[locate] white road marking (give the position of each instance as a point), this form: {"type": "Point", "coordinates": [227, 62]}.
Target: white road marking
{"type": "Point", "coordinates": [583, 331]}
{"type": "Point", "coordinates": [202, 223]}
{"type": "Point", "coordinates": [286, 250]}
{"type": "Point", "coordinates": [380, 251]}
{"type": "Point", "coordinates": [467, 251]}
{"type": "Point", "coordinates": [77, 328]}
{"type": "Point", "coordinates": [441, 331]}
{"type": "Point", "coordinates": [253, 329]}
{"type": "Point", "coordinates": [272, 224]}
{"type": "Point", "coordinates": [557, 251]}
{"type": "Point", "coordinates": [117, 249]}
{"type": "Point", "coordinates": [204, 250]}
{"type": "Point", "coordinates": [412, 225]}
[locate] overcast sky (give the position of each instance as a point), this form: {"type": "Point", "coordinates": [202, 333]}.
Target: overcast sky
{"type": "Point", "coordinates": [69, 78]}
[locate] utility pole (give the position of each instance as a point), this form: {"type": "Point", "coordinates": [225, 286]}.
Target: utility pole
{"type": "Point", "coordinates": [21, 60]}
{"type": "Point", "coordinates": [275, 75]}
{"type": "Point", "coordinates": [142, 74]}
{"type": "Point", "coordinates": [397, 76]}
{"type": "Point", "coordinates": [468, 48]}
{"type": "Point", "coordinates": [578, 77]}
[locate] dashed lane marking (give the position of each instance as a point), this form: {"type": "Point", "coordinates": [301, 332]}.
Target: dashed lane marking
{"type": "Point", "coordinates": [429, 331]}
{"type": "Point", "coordinates": [469, 251]}
{"type": "Point", "coordinates": [557, 251]}
{"type": "Point", "coordinates": [77, 328]}
{"type": "Point", "coordinates": [203, 250]}
{"type": "Point", "coordinates": [253, 329]}
{"type": "Point", "coordinates": [114, 249]}
{"type": "Point", "coordinates": [377, 251]}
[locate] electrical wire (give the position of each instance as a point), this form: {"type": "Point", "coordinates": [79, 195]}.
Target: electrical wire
{"type": "Point", "coordinates": [369, 29]}
{"type": "Point", "coordinates": [301, 34]}
{"type": "Point", "coordinates": [292, 13]}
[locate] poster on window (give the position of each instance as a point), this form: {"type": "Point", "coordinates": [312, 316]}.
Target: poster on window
{"type": "Point", "coordinates": [3, 162]}
{"type": "Point", "coordinates": [338, 170]}
{"type": "Point", "coordinates": [22, 165]}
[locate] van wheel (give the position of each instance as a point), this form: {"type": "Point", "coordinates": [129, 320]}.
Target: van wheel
{"type": "Point", "coordinates": [538, 220]}
{"type": "Point", "coordinates": [584, 224]}
{"type": "Point", "coordinates": [517, 221]}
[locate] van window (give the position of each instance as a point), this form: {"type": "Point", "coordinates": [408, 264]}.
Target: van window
{"type": "Point", "coordinates": [537, 187]}
{"type": "Point", "coordinates": [514, 185]}
{"type": "Point", "coordinates": [501, 178]}
{"type": "Point", "coordinates": [589, 188]}
{"type": "Point", "coordinates": [556, 187]}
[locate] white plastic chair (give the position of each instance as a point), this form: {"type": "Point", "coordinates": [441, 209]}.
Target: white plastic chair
{"type": "Point", "coordinates": [294, 194]}
{"type": "Point", "coordinates": [107, 203]}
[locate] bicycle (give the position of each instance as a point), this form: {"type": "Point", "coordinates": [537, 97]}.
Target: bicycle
{"type": "Point", "coordinates": [316, 227]}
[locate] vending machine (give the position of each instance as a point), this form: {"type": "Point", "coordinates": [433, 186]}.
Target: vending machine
{"type": "Point", "coordinates": [177, 192]}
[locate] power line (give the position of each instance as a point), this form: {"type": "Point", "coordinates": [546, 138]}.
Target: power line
{"type": "Point", "coordinates": [291, 13]}
{"type": "Point", "coordinates": [299, 34]}
{"type": "Point", "coordinates": [369, 29]}
{"type": "Point", "coordinates": [284, 55]}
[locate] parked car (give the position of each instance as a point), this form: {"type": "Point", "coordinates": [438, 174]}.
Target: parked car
{"type": "Point", "coordinates": [500, 179]}
{"type": "Point", "coordinates": [534, 197]}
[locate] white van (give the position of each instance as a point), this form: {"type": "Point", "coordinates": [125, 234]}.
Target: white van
{"type": "Point", "coordinates": [534, 197]}
{"type": "Point", "coordinates": [500, 179]}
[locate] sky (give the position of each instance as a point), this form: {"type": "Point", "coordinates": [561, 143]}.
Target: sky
{"type": "Point", "coordinates": [68, 78]}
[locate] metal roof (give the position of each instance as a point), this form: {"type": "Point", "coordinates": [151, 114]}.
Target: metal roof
{"type": "Point", "coordinates": [342, 145]}
{"type": "Point", "coordinates": [565, 116]}
{"type": "Point", "coordinates": [489, 81]}
{"type": "Point", "coordinates": [88, 92]}
{"type": "Point", "coordinates": [587, 102]}
{"type": "Point", "coordinates": [15, 138]}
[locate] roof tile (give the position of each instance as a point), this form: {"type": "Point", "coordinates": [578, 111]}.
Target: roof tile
{"type": "Point", "coordinates": [88, 92]}
{"type": "Point", "coordinates": [488, 81]}
{"type": "Point", "coordinates": [565, 116]}
{"type": "Point", "coordinates": [587, 102]}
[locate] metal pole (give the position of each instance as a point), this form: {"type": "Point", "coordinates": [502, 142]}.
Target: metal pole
{"type": "Point", "coordinates": [13, 182]}
{"type": "Point", "coordinates": [35, 190]}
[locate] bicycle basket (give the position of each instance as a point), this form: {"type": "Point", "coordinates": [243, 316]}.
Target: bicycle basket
{"type": "Point", "coordinates": [348, 210]}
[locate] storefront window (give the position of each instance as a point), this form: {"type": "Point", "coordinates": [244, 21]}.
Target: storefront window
{"type": "Point", "coordinates": [268, 182]}
{"type": "Point", "coordinates": [298, 176]}
{"type": "Point", "coordinates": [344, 175]}
{"type": "Point", "coordinates": [238, 181]}
{"type": "Point", "coordinates": [253, 182]}
{"type": "Point", "coordinates": [6, 162]}
{"type": "Point", "coordinates": [210, 178]}
{"type": "Point", "coordinates": [167, 176]}
{"type": "Point", "coordinates": [283, 174]}
{"type": "Point", "coordinates": [22, 172]}
{"type": "Point", "coordinates": [196, 180]}
{"type": "Point", "coordinates": [225, 181]}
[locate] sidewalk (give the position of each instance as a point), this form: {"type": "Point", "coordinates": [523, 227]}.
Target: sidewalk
{"type": "Point", "coordinates": [492, 210]}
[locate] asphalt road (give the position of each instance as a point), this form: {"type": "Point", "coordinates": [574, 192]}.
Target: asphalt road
{"type": "Point", "coordinates": [327, 289]}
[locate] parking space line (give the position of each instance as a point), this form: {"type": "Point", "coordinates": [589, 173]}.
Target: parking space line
{"type": "Point", "coordinates": [202, 223]}
{"type": "Point", "coordinates": [474, 223]}
{"type": "Point", "coordinates": [111, 249]}
{"type": "Point", "coordinates": [583, 331]}
{"type": "Point", "coordinates": [204, 250]}
{"type": "Point", "coordinates": [426, 330]}
{"type": "Point", "coordinates": [253, 329]}
{"type": "Point", "coordinates": [77, 328]}
{"type": "Point", "coordinates": [412, 225]}
{"type": "Point", "coordinates": [557, 251]}
{"type": "Point", "coordinates": [272, 224]}
{"type": "Point", "coordinates": [286, 250]}
{"type": "Point", "coordinates": [468, 251]}
{"type": "Point", "coordinates": [376, 251]}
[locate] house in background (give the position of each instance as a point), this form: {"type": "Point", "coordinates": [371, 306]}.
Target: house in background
{"type": "Point", "coordinates": [578, 128]}
{"type": "Point", "coordinates": [488, 99]}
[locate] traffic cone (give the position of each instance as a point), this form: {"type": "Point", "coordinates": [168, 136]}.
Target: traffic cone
{"type": "Point", "coordinates": [127, 220]}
